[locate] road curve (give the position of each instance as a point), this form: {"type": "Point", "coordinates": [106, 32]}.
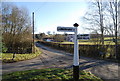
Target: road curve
{"type": "Point", "coordinates": [51, 58]}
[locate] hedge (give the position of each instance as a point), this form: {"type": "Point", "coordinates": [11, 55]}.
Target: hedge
{"type": "Point", "coordinates": [96, 51]}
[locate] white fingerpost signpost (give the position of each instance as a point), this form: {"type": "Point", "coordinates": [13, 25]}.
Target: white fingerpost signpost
{"type": "Point", "coordinates": [76, 56]}
{"type": "Point", "coordinates": [76, 53]}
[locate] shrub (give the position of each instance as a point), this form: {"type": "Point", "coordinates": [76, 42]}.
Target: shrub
{"type": "Point", "coordinates": [8, 57]}
{"type": "Point", "coordinates": [4, 48]}
{"type": "Point", "coordinates": [96, 51]}
{"type": "Point", "coordinates": [16, 28]}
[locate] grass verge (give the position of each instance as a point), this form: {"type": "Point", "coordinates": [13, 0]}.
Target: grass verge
{"type": "Point", "coordinates": [50, 74]}
{"type": "Point", "coordinates": [8, 57]}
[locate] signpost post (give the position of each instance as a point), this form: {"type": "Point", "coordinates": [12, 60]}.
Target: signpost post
{"type": "Point", "coordinates": [76, 54]}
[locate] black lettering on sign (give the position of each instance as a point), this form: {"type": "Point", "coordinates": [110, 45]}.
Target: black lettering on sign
{"type": "Point", "coordinates": [65, 29]}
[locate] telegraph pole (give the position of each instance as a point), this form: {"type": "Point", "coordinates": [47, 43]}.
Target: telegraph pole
{"type": "Point", "coordinates": [76, 56]}
{"type": "Point", "coordinates": [116, 52]}
{"type": "Point", "coordinates": [33, 48]}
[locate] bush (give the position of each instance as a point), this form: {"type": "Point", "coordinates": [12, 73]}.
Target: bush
{"type": "Point", "coordinates": [4, 48]}
{"type": "Point", "coordinates": [18, 44]}
{"type": "Point", "coordinates": [96, 51]}
{"type": "Point", "coordinates": [17, 34]}
{"type": "Point", "coordinates": [8, 57]}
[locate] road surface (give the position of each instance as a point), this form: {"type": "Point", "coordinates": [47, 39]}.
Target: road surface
{"type": "Point", "coordinates": [51, 58]}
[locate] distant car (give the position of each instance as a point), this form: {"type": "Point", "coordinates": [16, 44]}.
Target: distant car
{"type": "Point", "coordinates": [49, 40]}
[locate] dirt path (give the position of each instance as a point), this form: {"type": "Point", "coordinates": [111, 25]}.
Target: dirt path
{"type": "Point", "coordinates": [51, 58]}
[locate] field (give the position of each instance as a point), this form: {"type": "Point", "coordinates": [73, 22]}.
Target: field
{"type": "Point", "coordinates": [51, 74]}
{"type": "Point", "coordinates": [8, 57]}
{"type": "Point", "coordinates": [107, 41]}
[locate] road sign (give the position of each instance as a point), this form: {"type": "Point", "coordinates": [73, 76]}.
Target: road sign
{"type": "Point", "coordinates": [66, 29]}
{"type": "Point", "coordinates": [83, 36]}
{"type": "Point", "coordinates": [76, 53]}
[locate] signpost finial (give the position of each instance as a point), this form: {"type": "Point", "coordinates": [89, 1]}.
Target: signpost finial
{"type": "Point", "coordinates": [75, 25]}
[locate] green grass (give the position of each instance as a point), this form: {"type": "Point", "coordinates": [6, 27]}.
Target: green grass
{"type": "Point", "coordinates": [7, 57]}
{"type": "Point", "coordinates": [51, 74]}
{"type": "Point", "coordinates": [66, 42]}
{"type": "Point", "coordinates": [107, 41]}
{"type": "Point", "coordinates": [85, 43]}
{"type": "Point", "coordinates": [93, 41]}
{"type": "Point", "coordinates": [89, 43]}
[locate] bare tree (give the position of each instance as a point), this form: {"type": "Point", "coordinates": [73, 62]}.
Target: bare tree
{"type": "Point", "coordinates": [102, 18]}
{"type": "Point", "coordinates": [42, 35]}
{"type": "Point", "coordinates": [95, 17]}
{"type": "Point", "coordinates": [59, 38]}
{"type": "Point", "coordinates": [16, 27]}
{"type": "Point", "coordinates": [112, 16]}
{"type": "Point", "coordinates": [105, 18]}
{"type": "Point", "coordinates": [119, 17]}
{"type": "Point", "coordinates": [48, 32]}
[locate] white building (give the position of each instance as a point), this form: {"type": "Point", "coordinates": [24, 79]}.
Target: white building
{"type": "Point", "coordinates": [70, 37]}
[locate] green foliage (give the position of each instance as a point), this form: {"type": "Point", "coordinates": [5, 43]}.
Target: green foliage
{"type": "Point", "coordinates": [21, 43]}
{"type": "Point", "coordinates": [7, 57]}
{"type": "Point", "coordinates": [4, 48]}
{"type": "Point", "coordinates": [88, 50]}
{"type": "Point", "coordinates": [51, 74]}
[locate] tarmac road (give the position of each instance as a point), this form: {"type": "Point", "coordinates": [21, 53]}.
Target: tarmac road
{"type": "Point", "coordinates": [51, 58]}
